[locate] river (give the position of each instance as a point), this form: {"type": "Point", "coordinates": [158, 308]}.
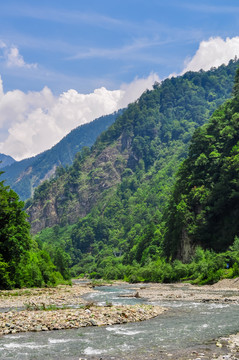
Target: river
{"type": "Point", "coordinates": [185, 325]}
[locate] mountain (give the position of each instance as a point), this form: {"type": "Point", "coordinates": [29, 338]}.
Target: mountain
{"type": "Point", "coordinates": [24, 176]}
{"type": "Point", "coordinates": [204, 207]}
{"type": "Point", "coordinates": [113, 195]}
{"type": "Point", "coordinates": [6, 160]}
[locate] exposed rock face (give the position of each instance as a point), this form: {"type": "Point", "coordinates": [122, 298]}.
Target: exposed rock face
{"type": "Point", "coordinates": [25, 175]}
{"type": "Point", "coordinates": [72, 196]}
{"type": "Point", "coordinates": [186, 248]}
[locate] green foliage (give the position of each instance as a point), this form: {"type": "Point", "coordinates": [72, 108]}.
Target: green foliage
{"type": "Point", "coordinates": [14, 234]}
{"type": "Point", "coordinates": [34, 270]}
{"type": "Point", "coordinates": [24, 176]}
{"type": "Point", "coordinates": [121, 233]}
{"type": "Point", "coordinates": [206, 267]}
{"type": "Point", "coordinates": [22, 264]}
{"type": "Point", "coordinates": [208, 186]}
{"type": "Point", "coordinates": [57, 243]}
{"type": "Point", "coordinates": [235, 245]}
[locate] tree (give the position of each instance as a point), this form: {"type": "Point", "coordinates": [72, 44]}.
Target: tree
{"type": "Point", "coordinates": [235, 91]}
{"type": "Point", "coordinates": [15, 238]}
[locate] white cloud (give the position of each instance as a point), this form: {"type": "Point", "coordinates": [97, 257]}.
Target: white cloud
{"type": "Point", "coordinates": [132, 91]}
{"type": "Point", "coordinates": [12, 58]}
{"type": "Point", "coordinates": [33, 122]}
{"type": "Point", "coordinates": [1, 89]}
{"type": "Point", "coordinates": [15, 59]}
{"type": "Point", "coordinates": [213, 53]}
{"type": "Point", "coordinates": [2, 44]}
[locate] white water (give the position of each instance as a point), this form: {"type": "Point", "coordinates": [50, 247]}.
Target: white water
{"type": "Point", "coordinates": [185, 324]}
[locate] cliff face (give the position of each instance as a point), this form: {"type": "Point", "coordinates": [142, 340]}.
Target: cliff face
{"type": "Point", "coordinates": [186, 248]}
{"type": "Point", "coordinates": [24, 176]}
{"type": "Point", "coordinates": [73, 195]}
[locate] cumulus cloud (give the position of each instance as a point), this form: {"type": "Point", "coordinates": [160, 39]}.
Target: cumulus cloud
{"type": "Point", "coordinates": [12, 57]}
{"type": "Point", "coordinates": [132, 91]}
{"type": "Point", "coordinates": [15, 59]}
{"type": "Point", "coordinates": [213, 53]}
{"type": "Point", "coordinates": [33, 122]}
{"type": "Point", "coordinates": [1, 89]}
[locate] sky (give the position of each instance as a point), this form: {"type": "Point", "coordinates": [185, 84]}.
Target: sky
{"type": "Point", "coordinates": [64, 63]}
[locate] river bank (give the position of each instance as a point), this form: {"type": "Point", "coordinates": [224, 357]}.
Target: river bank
{"type": "Point", "coordinates": [225, 291]}
{"type": "Point", "coordinates": [48, 309]}
{"type": "Point", "coordinates": [63, 308]}
{"type": "Point", "coordinates": [61, 295]}
{"type": "Point", "coordinates": [13, 322]}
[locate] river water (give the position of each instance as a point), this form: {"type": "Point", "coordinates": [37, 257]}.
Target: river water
{"type": "Point", "coordinates": [185, 324]}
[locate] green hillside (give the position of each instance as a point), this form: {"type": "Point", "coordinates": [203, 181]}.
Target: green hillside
{"type": "Point", "coordinates": [204, 208]}
{"type": "Point", "coordinates": [24, 176]}
{"type": "Point", "coordinates": [22, 263]}
{"type": "Point", "coordinates": [114, 195]}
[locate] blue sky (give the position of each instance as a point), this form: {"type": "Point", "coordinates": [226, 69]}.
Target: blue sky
{"type": "Point", "coordinates": [88, 44]}
{"type": "Point", "coordinates": [55, 52]}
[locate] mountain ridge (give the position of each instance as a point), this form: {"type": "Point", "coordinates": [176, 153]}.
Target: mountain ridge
{"type": "Point", "coordinates": [24, 176]}
{"type": "Point", "coordinates": [203, 209]}
{"type": "Point", "coordinates": [156, 127]}
{"type": "Point", "coordinates": [6, 160]}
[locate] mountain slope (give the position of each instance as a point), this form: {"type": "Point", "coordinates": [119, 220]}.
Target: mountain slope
{"type": "Point", "coordinates": [204, 208]}
{"type": "Point", "coordinates": [5, 160]}
{"type": "Point", "coordinates": [124, 181]}
{"type": "Point", "coordinates": [24, 176]}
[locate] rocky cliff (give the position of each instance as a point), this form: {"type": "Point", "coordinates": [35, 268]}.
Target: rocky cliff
{"type": "Point", "coordinates": [74, 194]}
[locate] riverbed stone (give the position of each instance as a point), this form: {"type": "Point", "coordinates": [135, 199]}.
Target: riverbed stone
{"type": "Point", "coordinates": [42, 320]}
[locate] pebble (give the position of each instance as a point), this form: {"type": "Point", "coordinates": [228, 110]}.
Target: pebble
{"type": "Point", "coordinates": [44, 320]}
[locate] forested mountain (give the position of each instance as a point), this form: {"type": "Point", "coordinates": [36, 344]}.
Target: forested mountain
{"type": "Point", "coordinates": [204, 208]}
{"type": "Point", "coordinates": [118, 190]}
{"type": "Point", "coordinates": [24, 176]}
{"type": "Point", "coordinates": [5, 160]}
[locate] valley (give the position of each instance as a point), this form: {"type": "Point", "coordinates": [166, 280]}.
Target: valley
{"type": "Point", "coordinates": [189, 308]}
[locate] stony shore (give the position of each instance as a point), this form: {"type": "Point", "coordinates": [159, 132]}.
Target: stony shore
{"type": "Point", "coordinates": [43, 320]}
{"type": "Point", "coordinates": [61, 295]}
{"type": "Point", "coordinates": [225, 291]}
{"type": "Point", "coordinates": [48, 309]}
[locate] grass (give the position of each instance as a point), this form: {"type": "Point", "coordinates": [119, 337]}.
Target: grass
{"type": "Point", "coordinates": [100, 282]}
{"type": "Point", "coordinates": [37, 307]}
{"type": "Point", "coordinates": [16, 293]}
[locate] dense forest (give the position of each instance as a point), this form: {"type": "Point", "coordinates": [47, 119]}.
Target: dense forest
{"type": "Point", "coordinates": [22, 263]}
{"type": "Point", "coordinates": [123, 232]}
{"type": "Point", "coordinates": [204, 206]}
{"type": "Point", "coordinates": [25, 175]}
{"type": "Point", "coordinates": [154, 199]}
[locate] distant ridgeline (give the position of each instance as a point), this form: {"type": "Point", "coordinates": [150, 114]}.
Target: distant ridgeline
{"type": "Point", "coordinates": [25, 175]}
{"type": "Point", "coordinates": [112, 199]}
{"type": "Point", "coordinates": [5, 160]}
